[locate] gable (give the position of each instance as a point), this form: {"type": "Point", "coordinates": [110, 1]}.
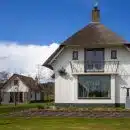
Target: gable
{"type": "Point", "coordinates": [10, 87]}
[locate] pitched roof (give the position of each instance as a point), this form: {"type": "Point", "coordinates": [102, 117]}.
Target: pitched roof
{"type": "Point", "coordinates": [95, 35]}
{"type": "Point", "coordinates": [28, 81]}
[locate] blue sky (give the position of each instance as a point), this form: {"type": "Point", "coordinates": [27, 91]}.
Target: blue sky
{"type": "Point", "coordinates": [46, 21]}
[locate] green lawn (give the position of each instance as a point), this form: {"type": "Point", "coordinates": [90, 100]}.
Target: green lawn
{"type": "Point", "coordinates": [5, 109]}
{"type": "Point", "coordinates": [50, 123]}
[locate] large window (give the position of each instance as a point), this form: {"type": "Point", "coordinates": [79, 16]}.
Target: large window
{"type": "Point", "coordinates": [16, 96]}
{"type": "Point", "coordinates": [94, 87]}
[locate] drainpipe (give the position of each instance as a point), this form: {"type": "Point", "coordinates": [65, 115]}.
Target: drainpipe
{"type": "Point", "coordinates": [127, 92]}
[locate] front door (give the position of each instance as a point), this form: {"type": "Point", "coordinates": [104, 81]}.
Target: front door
{"type": "Point", "coordinates": [94, 60]}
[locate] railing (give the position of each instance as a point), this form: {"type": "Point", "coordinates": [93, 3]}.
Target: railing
{"type": "Point", "coordinates": [94, 66]}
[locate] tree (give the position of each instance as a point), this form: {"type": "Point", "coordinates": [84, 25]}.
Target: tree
{"type": "Point", "coordinates": [48, 90]}
{"type": "Point", "coordinates": [44, 74]}
{"type": "Point", "coordinates": [4, 76]}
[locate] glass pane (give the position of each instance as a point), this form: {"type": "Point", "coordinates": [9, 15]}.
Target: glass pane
{"type": "Point", "coordinates": [89, 60]}
{"type": "Point", "coordinates": [113, 54]}
{"type": "Point", "coordinates": [75, 55]}
{"type": "Point", "coordinates": [94, 60]}
{"type": "Point", "coordinates": [94, 87]}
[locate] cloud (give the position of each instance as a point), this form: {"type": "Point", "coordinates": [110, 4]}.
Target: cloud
{"type": "Point", "coordinates": [24, 59]}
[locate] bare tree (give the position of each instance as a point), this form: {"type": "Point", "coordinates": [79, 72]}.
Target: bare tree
{"type": "Point", "coordinates": [42, 74]}
{"type": "Point", "coordinates": [48, 90]}
{"type": "Point", "coordinates": [3, 78]}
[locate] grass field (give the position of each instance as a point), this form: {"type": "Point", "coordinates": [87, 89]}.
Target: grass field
{"type": "Point", "coordinates": [64, 124]}
{"type": "Point", "coordinates": [50, 123]}
{"type": "Point", "coordinates": [5, 109]}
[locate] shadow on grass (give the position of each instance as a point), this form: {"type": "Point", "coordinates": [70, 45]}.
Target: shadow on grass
{"type": "Point", "coordinates": [5, 123]}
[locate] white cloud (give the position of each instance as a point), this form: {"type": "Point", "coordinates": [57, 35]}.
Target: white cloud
{"type": "Point", "coordinates": [24, 59]}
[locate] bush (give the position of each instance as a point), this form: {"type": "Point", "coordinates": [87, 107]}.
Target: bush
{"type": "Point", "coordinates": [40, 107]}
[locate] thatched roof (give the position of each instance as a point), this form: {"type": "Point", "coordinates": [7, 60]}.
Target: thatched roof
{"type": "Point", "coordinates": [95, 35]}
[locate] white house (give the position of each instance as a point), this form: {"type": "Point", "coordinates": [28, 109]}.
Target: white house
{"type": "Point", "coordinates": [92, 67]}
{"type": "Point", "coordinates": [20, 89]}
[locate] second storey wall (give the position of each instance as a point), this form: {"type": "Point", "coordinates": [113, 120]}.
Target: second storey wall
{"type": "Point", "coordinates": [123, 56]}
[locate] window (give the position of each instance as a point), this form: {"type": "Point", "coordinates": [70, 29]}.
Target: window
{"type": "Point", "coordinates": [75, 55]}
{"type": "Point", "coordinates": [94, 60]}
{"type": "Point", "coordinates": [15, 82]}
{"type": "Point", "coordinates": [11, 97]}
{"type": "Point", "coordinates": [16, 96]}
{"type": "Point", "coordinates": [94, 87]}
{"type": "Point", "coordinates": [20, 96]}
{"type": "Point", "coordinates": [113, 54]}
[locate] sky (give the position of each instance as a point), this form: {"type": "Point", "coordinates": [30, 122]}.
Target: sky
{"type": "Point", "coordinates": [30, 30]}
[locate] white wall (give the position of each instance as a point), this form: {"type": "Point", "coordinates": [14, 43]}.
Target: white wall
{"type": "Point", "coordinates": [63, 86]}
{"type": "Point", "coordinates": [66, 88]}
{"type": "Point", "coordinates": [5, 98]}
{"type": "Point", "coordinates": [12, 88]}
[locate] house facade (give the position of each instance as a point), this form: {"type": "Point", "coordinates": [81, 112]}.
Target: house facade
{"type": "Point", "coordinates": [20, 89]}
{"type": "Point", "coordinates": [92, 67]}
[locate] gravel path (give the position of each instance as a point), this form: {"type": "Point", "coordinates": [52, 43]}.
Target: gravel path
{"type": "Point", "coordinates": [87, 114]}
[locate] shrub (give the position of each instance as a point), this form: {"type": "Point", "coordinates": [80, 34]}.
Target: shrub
{"type": "Point", "coordinates": [40, 107]}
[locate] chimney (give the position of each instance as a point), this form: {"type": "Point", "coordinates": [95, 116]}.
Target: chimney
{"type": "Point", "coordinates": [96, 13]}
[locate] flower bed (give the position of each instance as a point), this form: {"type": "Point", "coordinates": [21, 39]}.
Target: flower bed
{"type": "Point", "coordinates": [73, 112]}
{"type": "Point", "coordinates": [61, 113]}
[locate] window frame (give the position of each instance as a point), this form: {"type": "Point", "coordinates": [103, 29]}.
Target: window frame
{"type": "Point", "coordinates": [15, 82]}
{"type": "Point", "coordinates": [113, 54]}
{"type": "Point", "coordinates": [77, 55]}
{"type": "Point", "coordinates": [93, 98]}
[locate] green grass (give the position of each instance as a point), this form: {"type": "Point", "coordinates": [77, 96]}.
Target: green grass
{"type": "Point", "coordinates": [63, 124]}
{"type": "Point", "coordinates": [5, 109]}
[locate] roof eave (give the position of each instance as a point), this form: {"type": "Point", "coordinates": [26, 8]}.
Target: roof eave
{"type": "Point", "coordinates": [97, 45]}
{"type": "Point", "coordinates": [48, 66]}
{"type": "Point", "coordinates": [47, 62]}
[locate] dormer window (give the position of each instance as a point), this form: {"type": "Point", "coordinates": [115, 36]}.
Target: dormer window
{"type": "Point", "coordinates": [75, 55]}
{"type": "Point", "coordinates": [114, 54]}
{"type": "Point", "coordinates": [16, 82]}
